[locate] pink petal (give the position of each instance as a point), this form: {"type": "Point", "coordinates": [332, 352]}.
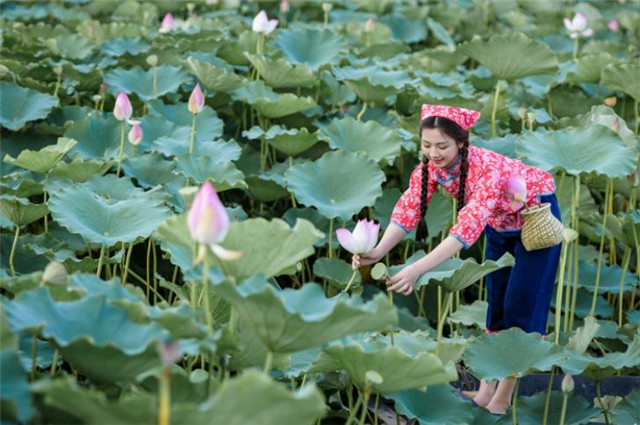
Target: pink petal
{"type": "Point", "coordinates": [122, 109]}
{"type": "Point", "coordinates": [516, 188]}
{"type": "Point", "coordinates": [270, 26]}
{"type": "Point", "coordinates": [587, 33]}
{"type": "Point", "coordinates": [225, 254]}
{"type": "Point", "coordinates": [135, 134]}
{"type": "Point", "coordinates": [207, 219]}
{"type": "Point", "coordinates": [259, 22]}
{"type": "Point", "coordinates": [580, 22]}
{"type": "Point", "coordinates": [167, 23]}
{"type": "Point", "coordinates": [613, 25]}
{"type": "Point", "coordinates": [346, 240]}
{"type": "Point", "coordinates": [196, 100]}
{"type": "Point", "coordinates": [567, 24]}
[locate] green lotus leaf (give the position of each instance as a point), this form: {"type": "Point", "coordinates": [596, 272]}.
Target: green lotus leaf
{"type": "Point", "coordinates": [280, 74]}
{"type": "Point", "coordinates": [624, 226]}
{"type": "Point", "coordinates": [20, 211]}
{"type": "Point", "coordinates": [265, 190]}
{"type": "Point", "coordinates": [512, 56]}
{"type": "Point", "coordinates": [208, 125]}
{"type": "Point", "coordinates": [370, 138]}
{"type": "Point", "coordinates": [233, 52]}
{"type": "Point", "coordinates": [440, 32]}
{"type": "Point", "coordinates": [291, 320]}
{"type": "Point", "coordinates": [626, 412]}
{"type": "Point", "coordinates": [19, 105]}
{"type": "Point", "coordinates": [290, 142]}
{"type": "Point", "coordinates": [105, 346]}
{"type": "Point", "coordinates": [372, 84]}
{"type": "Point", "coordinates": [200, 168]}
{"type": "Point", "coordinates": [609, 277]}
{"type": "Point", "coordinates": [20, 184]}
{"type": "Point", "coordinates": [606, 116]}
{"type": "Point", "coordinates": [107, 210]}
{"type": "Point", "coordinates": [579, 410]}
{"type": "Point", "coordinates": [436, 406]}
{"type": "Point", "coordinates": [16, 398]}
{"type": "Point", "coordinates": [250, 351]}
{"type": "Point", "coordinates": [406, 30]}
{"type": "Point", "coordinates": [470, 315]}
{"type": "Point", "coordinates": [80, 170]}
{"type": "Point", "coordinates": [511, 353]}
{"type": "Point", "coordinates": [319, 221]}
{"type": "Point", "coordinates": [45, 159]}
{"type": "Point", "coordinates": [590, 68]}
{"type": "Point", "coordinates": [70, 46]}
{"type": "Point", "coordinates": [140, 82]}
{"type": "Point", "coordinates": [311, 46]}
{"type": "Point", "coordinates": [399, 370]}
{"type": "Point", "coordinates": [600, 367]}
{"type": "Point", "coordinates": [577, 150]}
{"type": "Point", "coordinates": [119, 46]}
{"type": "Point", "coordinates": [335, 271]}
{"type": "Point", "coordinates": [255, 237]}
{"type": "Point", "coordinates": [456, 274]}
{"type": "Point", "coordinates": [96, 137]}
{"type": "Point", "coordinates": [623, 77]}
{"type": "Point", "coordinates": [333, 186]}
{"type": "Point", "coordinates": [581, 339]}
{"type": "Point", "coordinates": [269, 103]}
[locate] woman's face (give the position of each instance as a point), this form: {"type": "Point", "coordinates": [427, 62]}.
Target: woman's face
{"type": "Point", "coordinates": [441, 149]}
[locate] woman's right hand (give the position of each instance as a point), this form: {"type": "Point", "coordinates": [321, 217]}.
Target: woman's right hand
{"type": "Point", "coordinates": [370, 257]}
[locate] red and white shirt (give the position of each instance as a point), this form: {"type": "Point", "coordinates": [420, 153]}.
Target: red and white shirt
{"type": "Point", "coordinates": [486, 202]}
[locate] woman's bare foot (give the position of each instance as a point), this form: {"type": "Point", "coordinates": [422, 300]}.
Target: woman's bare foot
{"type": "Point", "coordinates": [485, 393]}
{"type": "Point", "coordinates": [501, 399]}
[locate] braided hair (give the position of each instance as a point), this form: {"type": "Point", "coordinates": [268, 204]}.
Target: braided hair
{"type": "Point", "coordinates": [461, 136]}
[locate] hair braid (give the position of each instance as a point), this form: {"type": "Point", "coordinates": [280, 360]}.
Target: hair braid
{"type": "Point", "coordinates": [464, 167]}
{"type": "Point", "coordinates": [422, 232]}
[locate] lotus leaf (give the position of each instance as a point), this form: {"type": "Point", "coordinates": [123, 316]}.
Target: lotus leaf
{"type": "Point", "coordinates": [372, 84]}
{"type": "Point", "coordinates": [269, 103]}
{"type": "Point", "coordinates": [213, 77]}
{"type": "Point", "coordinates": [150, 169]}
{"type": "Point", "coordinates": [580, 340]}
{"type": "Point", "coordinates": [140, 82]}
{"type": "Point", "coordinates": [590, 67]}
{"type": "Point", "coordinates": [107, 210]}
{"type": "Point", "coordinates": [20, 211]}
{"type": "Point", "coordinates": [311, 46]}
{"type": "Point", "coordinates": [14, 392]}
{"type": "Point", "coordinates": [626, 412]}
{"type": "Point", "coordinates": [223, 175]}
{"type": "Point", "coordinates": [511, 353]}
{"type": "Point", "coordinates": [435, 406]}
{"type": "Point", "coordinates": [45, 159]}
{"type": "Point", "coordinates": [440, 32]}
{"type": "Point", "coordinates": [370, 138]}
{"type": "Point", "coordinates": [119, 46]}
{"type": "Point", "coordinates": [623, 77]}
{"type": "Point", "coordinates": [336, 271]}
{"type": "Point", "coordinates": [601, 367]}
{"type": "Point", "coordinates": [20, 184]}
{"type": "Point", "coordinates": [577, 150]}
{"type": "Point", "coordinates": [470, 315]}
{"type": "Point", "coordinates": [406, 30]}
{"type": "Point", "coordinates": [80, 170]}
{"type": "Point", "coordinates": [579, 410]}
{"type": "Point", "coordinates": [291, 320]}
{"type": "Point", "coordinates": [96, 137]}
{"type": "Point", "coordinates": [512, 56]}
{"type": "Point", "coordinates": [319, 221]}
{"type": "Point", "coordinates": [291, 142]}
{"type": "Point", "coordinates": [280, 74]}
{"type": "Point", "coordinates": [623, 227]}
{"type": "Point", "coordinates": [332, 185]}
{"type": "Point", "coordinates": [19, 105]}
{"type": "Point", "coordinates": [208, 125]}
{"type": "Point", "coordinates": [70, 46]}
{"type": "Point", "coordinates": [609, 277]}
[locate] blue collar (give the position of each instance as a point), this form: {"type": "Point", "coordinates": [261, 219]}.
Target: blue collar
{"type": "Point", "coordinates": [449, 173]}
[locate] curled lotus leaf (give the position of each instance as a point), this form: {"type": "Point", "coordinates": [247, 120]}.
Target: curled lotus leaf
{"type": "Point", "coordinates": [223, 175]}
{"type": "Point", "coordinates": [590, 68]}
{"type": "Point", "coordinates": [97, 137]}
{"type": "Point", "coordinates": [624, 77]}
{"type": "Point", "coordinates": [312, 47]}
{"type": "Point", "coordinates": [269, 103]}
{"type": "Point", "coordinates": [80, 170]}
{"type": "Point", "coordinates": [288, 141]}
{"type": "Point", "coordinates": [208, 125]}
{"type": "Point", "coordinates": [599, 368]}
{"type": "Point", "coordinates": [119, 46]}
{"type": "Point", "coordinates": [17, 400]}
{"type": "Point", "coordinates": [20, 211]}
{"type": "Point", "coordinates": [169, 79]}
{"type": "Point", "coordinates": [19, 105]}
{"type": "Point", "coordinates": [280, 74]}
{"type": "Point", "coordinates": [45, 159]}
{"type": "Point", "coordinates": [437, 405]}
{"type": "Point", "coordinates": [336, 271]}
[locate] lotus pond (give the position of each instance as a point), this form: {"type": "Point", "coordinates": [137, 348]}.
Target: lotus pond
{"type": "Point", "coordinates": [111, 313]}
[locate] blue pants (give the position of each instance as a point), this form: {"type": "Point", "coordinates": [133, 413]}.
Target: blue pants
{"type": "Point", "coordinates": [520, 296]}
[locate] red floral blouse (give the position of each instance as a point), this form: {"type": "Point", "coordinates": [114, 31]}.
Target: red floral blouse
{"type": "Point", "coordinates": [485, 199]}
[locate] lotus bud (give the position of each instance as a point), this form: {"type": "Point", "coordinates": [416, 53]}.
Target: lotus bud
{"type": "Point", "coordinates": [611, 101]}
{"type": "Point", "coordinates": [196, 100]}
{"type": "Point", "coordinates": [54, 274]}
{"type": "Point", "coordinates": [516, 190]}
{"type": "Point", "coordinates": [368, 27]}
{"type": "Point", "coordinates": [362, 240]}
{"type": "Point", "coordinates": [284, 6]}
{"type": "Point", "coordinates": [169, 352]}
{"type": "Point", "coordinates": [613, 25]}
{"type": "Point", "coordinates": [152, 60]}
{"type": "Point", "coordinates": [262, 25]}
{"type": "Point", "coordinates": [326, 7]}
{"type": "Point", "coordinates": [567, 383]}
{"type": "Point", "coordinates": [168, 24]}
{"type": "Point", "coordinates": [123, 110]}
{"type": "Point", "coordinates": [135, 134]}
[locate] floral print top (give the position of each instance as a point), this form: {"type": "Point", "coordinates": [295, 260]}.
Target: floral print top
{"type": "Point", "coordinates": [485, 199]}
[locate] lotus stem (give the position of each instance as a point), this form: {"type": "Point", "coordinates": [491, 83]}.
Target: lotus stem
{"type": "Point", "coordinates": [192, 139]}
{"type": "Point", "coordinates": [125, 272]}
{"type": "Point", "coordinates": [164, 397]}
{"type": "Point", "coordinates": [514, 414]}
{"type": "Point", "coordinates": [155, 270]}
{"type": "Point", "coordinates": [46, 216]}
{"type": "Point", "coordinates": [362, 111]}
{"type": "Point", "coordinates": [442, 318]}
{"type": "Point", "coordinates": [375, 410]}
{"type": "Point", "coordinates": [330, 249]}
{"type": "Point", "coordinates": [148, 280]}
{"type": "Point", "coordinates": [142, 281]}
{"type": "Point", "coordinates": [625, 266]}
{"type": "Point", "coordinates": [601, 249]}
{"type": "Point", "coordinates": [365, 405]}
{"type": "Point", "coordinates": [391, 334]}
{"type": "Point", "coordinates": [548, 396]}
{"type": "Point", "coordinates": [100, 259]}
{"type": "Point", "coordinates": [58, 82]}
{"type": "Point", "coordinates": [293, 198]}
{"type": "Point", "coordinates": [637, 125]}
{"type": "Point", "coordinates": [155, 81]}
{"type": "Point", "coordinates": [563, 413]}
{"type": "Point", "coordinates": [205, 291]}
{"type": "Point", "coordinates": [576, 246]}
{"type": "Point", "coordinates": [604, 410]}
{"type": "Point", "coordinates": [121, 149]}
{"type": "Point", "coordinates": [13, 251]}
{"type": "Point", "coordinates": [353, 277]}
{"type": "Point", "coordinates": [560, 288]}
{"type": "Point", "coordinates": [575, 49]}
{"type": "Point", "coordinates": [54, 362]}
{"type": "Point", "coordinates": [326, 19]}
{"type": "Point", "coordinates": [352, 413]}
{"type": "Point", "coordinates": [34, 354]}
{"type": "Point", "coordinates": [268, 362]}
{"type": "Point", "coordinates": [494, 110]}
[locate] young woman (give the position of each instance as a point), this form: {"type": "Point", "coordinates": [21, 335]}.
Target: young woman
{"type": "Point", "coordinates": [519, 296]}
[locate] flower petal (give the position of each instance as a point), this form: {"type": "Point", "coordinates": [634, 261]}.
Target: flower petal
{"type": "Point", "coordinates": [225, 254]}
{"type": "Point", "coordinates": [347, 240]}
{"type": "Point", "coordinates": [567, 24]}
{"type": "Point", "coordinates": [580, 21]}
{"type": "Point", "coordinates": [259, 22]}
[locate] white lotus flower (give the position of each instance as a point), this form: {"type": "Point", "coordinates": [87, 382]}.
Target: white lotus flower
{"type": "Point", "coordinates": [578, 26]}
{"type": "Point", "coordinates": [262, 25]}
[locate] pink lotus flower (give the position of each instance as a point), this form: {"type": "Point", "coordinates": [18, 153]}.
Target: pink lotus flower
{"type": "Point", "coordinates": [209, 223]}
{"type": "Point", "coordinates": [578, 26]}
{"type": "Point", "coordinates": [362, 240]}
{"type": "Point", "coordinates": [284, 6]}
{"type": "Point", "coordinates": [196, 100]}
{"type": "Point", "coordinates": [168, 24]}
{"type": "Point", "coordinates": [262, 25]}
{"type": "Point", "coordinates": [368, 27]}
{"type": "Point", "coordinates": [516, 189]}
{"type": "Point", "coordinates": [122, 109]}
{"type": "Point", "coordinates": [135, 134]}
{"type": "Point", "coordinates": [614, 25]}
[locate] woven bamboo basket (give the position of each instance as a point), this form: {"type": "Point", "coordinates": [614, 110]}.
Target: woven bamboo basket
{"type": "Point", "coordinates": [541, 229]}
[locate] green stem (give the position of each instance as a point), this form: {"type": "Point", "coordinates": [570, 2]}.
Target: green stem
{"type": "Point", "coordinates": [375, 410]}
{"type": "Point", "coordinates": [268, 362]}
{"type": "Point", "coordinates": [601, 249]}
{"type": "Point", "coordinates": [148, 280]}
{"type": "Point", "coordinates": [514, 414]}
{"type": "Point", "coordinates": [604, 410]}
{"type": "Point", "coordinates": [330, 249]}
{"type": "Point", "coordinates": [576, 246]}
{"type": "Point", "coordinates": [560, 287]}
{"type": "Point", "coordinates": [352, 413]}
{"type": "Point", "coordinates": [58, 82]}
{"type": "Point", "coordinates": [13, 251]}
{"type": "Point", "coordinates": [155, 82]}
{"type": "Point", "coordinates": [494, 110]}
{"type": "Point", "coordinates": [121, 149]}
{"type": "Point", "coordinates": [326, 19]}
{"type": "Point", "coordinates": [563, 413]}
{"type": "Point", "coordinates": [46, 216]}
{"type": "Point", "coordinates": [442, 318]}
{"type": "Point", "coordinates": [391, 334]}
{"type": "Point", "coordinates": [353, 277]}
{"type": "Point", "coordinates": [548, 397]}
{"type": "Point", "coordinates": [637, 125]}
{"type": "Point", "coordinates": [625, 265]}
{"type": "Point", "coordinates": [192, 139]}
{"type": "Point", "coordinates": [54, 362]}
{"type": "Point", "coordinates": [155, 271]}
{"type": "Point", "coordinates": [365, 406]}
{"type": "Point", "coordinates": [575, 49]}
{"type": "Point", "coordinates": [34, 354]}
{"type": "Point", "coordinates": [100, 259]}
{"type": "Point", "coordinates": [293, 198]}
{"type": "Point", "coordinates": [205, 291]}
{"type": "Point", "coordinates": [126, 264]}
{"type": "Point", "coordinates": [362, 111]}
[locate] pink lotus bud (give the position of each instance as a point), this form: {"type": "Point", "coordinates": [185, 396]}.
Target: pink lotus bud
{"type": "Point", "coordinates": [168, 24]}
{"type": "Point", "coordinates": [262, 25]}
{"type": "Point", "coordinates": [196, 100]}
{"type": "Point", "coordinates": [169, 352]}
{"type": "Point", "coordinates": [567, 383]}
{"type": "Point", "coordinates": [135, 134]}
{"type": "Point", "coordinates": [614, 25]}
{"type": "Point", "coordinates": [362, 240]}
{"type": "Point", "coordinates": [368, 27]}
{"type": "Point", "coordinates": [123, 110]}
{"type": "Point", "coordinates": [209, 223]}
{"type": "Point", "coordinates": [284, 6]}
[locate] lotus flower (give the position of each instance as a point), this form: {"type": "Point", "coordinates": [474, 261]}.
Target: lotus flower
{"type": "Point", "coordinates": [363, 238]}
{"type": "Point", "coordinates": [168, 24]}
{"type": "Point", "coordinates": [516, 189]}
{"type": "Point", "coordinates": [122, 109]}
{"type": "Point", "coordinates": [196, 100]}
{"type": "Point", "coordinates": [614, 25]}
{"type": "Point", "coordinates": [368, 27]}
{"type": "Point", "coordinates": [209, 223]}
{"type": "Point", "coordinates": [262, 25]}
{"type": "Point", "coordinates": [135, 134]}
{"type": "Point", "coordinates": [284, 6]}
{"type": "Point", "coordinates": [567, 383]}
{"type": "Point", "coordinates": [578, 26]}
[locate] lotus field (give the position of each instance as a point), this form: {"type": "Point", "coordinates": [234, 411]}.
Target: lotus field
{"type": "Point", "coordinates": [181, 184]}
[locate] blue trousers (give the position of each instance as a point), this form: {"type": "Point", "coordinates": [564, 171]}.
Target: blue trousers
{"type": "Point", "coordinates": [520, 296]}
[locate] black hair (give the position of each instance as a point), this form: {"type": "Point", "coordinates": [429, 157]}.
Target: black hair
{"type": "Point", "coordinates": [461, 136]}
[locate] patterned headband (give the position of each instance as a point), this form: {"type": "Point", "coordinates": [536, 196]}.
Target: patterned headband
{"type": "Point", "coordinates": [464, 117]}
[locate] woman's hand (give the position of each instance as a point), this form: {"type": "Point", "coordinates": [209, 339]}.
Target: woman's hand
{"type": "Point", "coordinates": [404, 280]}
{"type": "Point", "coordinates": [370, 257]}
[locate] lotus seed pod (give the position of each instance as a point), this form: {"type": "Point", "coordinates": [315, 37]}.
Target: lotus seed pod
{"type": "Point", "coordinates": [379, 271]}
{"type": "Point", "coordinates": [531, 116]}
{"type": "Point", "coordinates": [611, 101]}
{"type": "Point", "coordinates": [54, 274]}
{"type": "Point", "coordinates": [522, 113]}
{"type": "Point", "coordinates": [326, 7]}
{"type": "Point", "coordinates": [373, 377]}
{"type": "Point", "coordinates": [567, 383]}
{"type": "Point", "coordinates": [57, 70]}
{"type": "Point", "coordinates": [152, 60]}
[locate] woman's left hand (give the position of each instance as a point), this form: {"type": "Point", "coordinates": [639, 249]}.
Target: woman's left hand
{"type": "Point", "coordinates": [404, 280]}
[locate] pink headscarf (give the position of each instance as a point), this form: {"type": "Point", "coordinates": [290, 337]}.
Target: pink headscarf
{"type": "Point", "coordinates": [464, 117]}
